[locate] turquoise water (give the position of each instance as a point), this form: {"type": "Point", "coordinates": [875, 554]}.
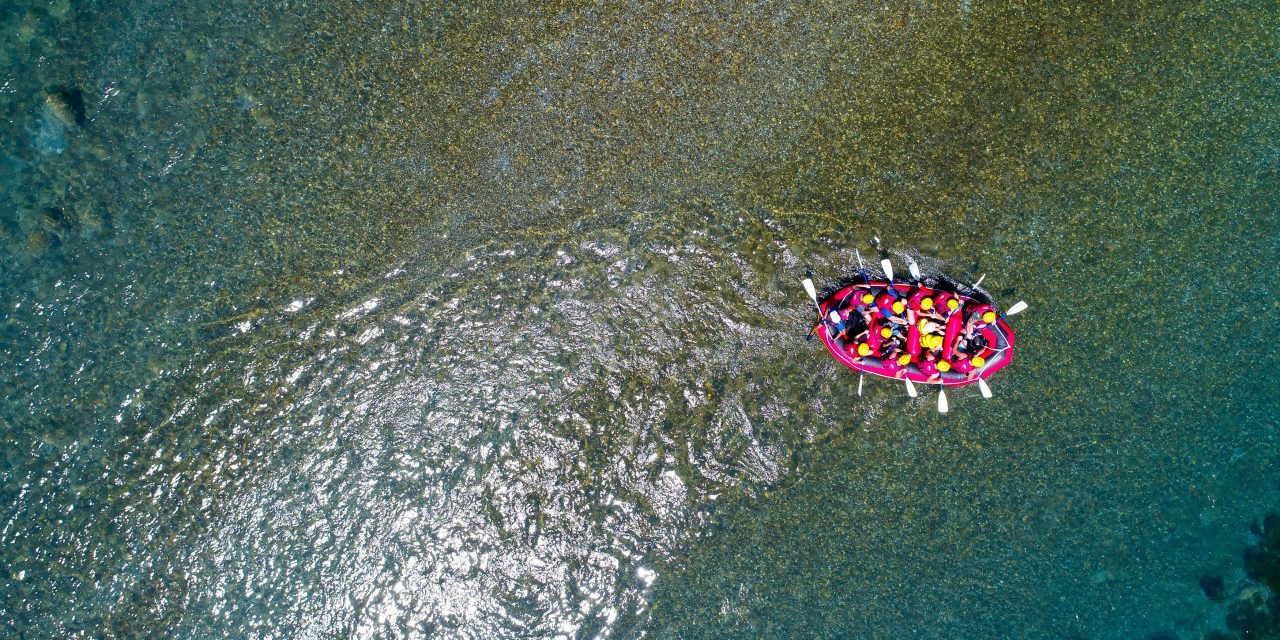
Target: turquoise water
{"type": "Point", "coordinates": [381, 320]}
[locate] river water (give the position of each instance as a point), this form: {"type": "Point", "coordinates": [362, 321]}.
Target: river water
{"type": "Point", "coordinates": [379, 320]}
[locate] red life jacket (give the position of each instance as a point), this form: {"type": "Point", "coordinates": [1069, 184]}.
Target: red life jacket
{"type": "Point", "coordinates": [885, 304]}
{"type": "Point", "coordinates": [976, 311]}
{"type": "Point", "coordinates": [913, 303]}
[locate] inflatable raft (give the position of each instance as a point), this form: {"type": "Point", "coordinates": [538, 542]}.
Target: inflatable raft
{"type": "Point", "coordinates": [913, 332]}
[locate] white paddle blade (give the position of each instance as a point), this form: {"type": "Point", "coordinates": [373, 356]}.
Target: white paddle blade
{"type": "Point", "coordinates": [914, 269]}
{"type": "Point", "coordinates": [859, 385]}
{"type": "Point", "coordinates": [911, 388]}
{"type": "Point", "coordinates": [943, 407]}
{"type": "Point", "coordinates": [888, 268]}
{"type": "Point", "coordinates": [856, 253]}
{"type": "Point", "coordinates": [1018, 307]}
{"type": "Point", "coordinates": [982, 386]}
{"type": "Point", "coordinates": [808, 287]}
{"type": "Point", "coordinates": [984, 277]}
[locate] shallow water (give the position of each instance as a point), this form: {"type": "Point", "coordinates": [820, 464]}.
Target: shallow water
{"type": "Point", "coordinates": [367, 320]}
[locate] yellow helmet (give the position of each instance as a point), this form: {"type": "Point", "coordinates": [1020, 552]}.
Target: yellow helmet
{"type": "Point", "coordinates": [867, 298]}
{"type": "Point", "coordinates": [953, 303]}
{"type": "Point", "coordinates": [978, 361]}
{"type": "Point", "coordinates": [864, 349]}
{"type": "Point", "coordinates": [921, 325]}
{"type": "Point", "coordinates": [989, 317]}
{"type": "Point", "coordinates": [904, 360]}
{"type": "Point", "coordinates": [926, 304]}
{"type": "Point", "coordinates": [935, 341]}
{"type": "Point", "coordinates": [886, 332]}
{"type": "Point", "coordinates": [898, 307]}
{"type": "Point", "coordinates": [944, 366]}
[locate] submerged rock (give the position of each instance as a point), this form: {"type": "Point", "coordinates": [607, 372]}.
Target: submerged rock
{"type": "Point", "coordinates": [1213, 587]}
{"type": "Point", "coordinates": [53, 220]}
{"type": "Point", "coordinates": [67, 105]}
{"type": "Point", "coordinates": [1262, 560]}
{"type": "Point", "coordinates": [61, 111]}
{"type": "Point", "coordinates": [1254, 614]}
{"type": "Point", "coordinates": [1252, 605]}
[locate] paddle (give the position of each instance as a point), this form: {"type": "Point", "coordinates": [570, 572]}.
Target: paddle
{"type": "Point", "coordinates": [942, 399]}
{"type": "Point", "coordinates": [863, 269]}
{"type": "Point", "coordinates": [888, 271]}
{"type": "Point", "coordinates": [911, 388]}
{"type": "Point", "coordinates": [1018, 307]}
{"type": "Point", "coordinates": [813, 295]}
{"type": "Point", "coordinates": [915, 270]}
{"type": "Point", "coordinates": [982, 386]}
{"type": "Point", "coordinates": [968, 293]}
{"type": "Point", "coordinates": [974, 286]}
{"type": "Point", "coordinates": [860, 374]}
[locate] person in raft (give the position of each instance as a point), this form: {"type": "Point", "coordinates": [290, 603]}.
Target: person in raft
{"type": "Point", "coordinates": [892, 308]}
{"type": "Point", "coordinates": [865, 305]}
{"type": "Point", "coordinates": [895, 356]}
{"type": "Point", "coordinates": [946, 303]}
{"type": "Point", "coordinates": [930, 342]}
{"type": "Point", "coordinates": [892, 336]}
{"type": "Point", "coordinates": [970, 367]}
{"type": "Point", "coordinates": [931, 366]}
{"type": "Point", "coordinates": [863, 300]}
{"type": "Point", "coordinates": [982, 317]}
{"type": "Point", "coordinates": [840, 322]}
{"type": "Point", "coordinates": [895, 360]}
{"type": "Point", "coordinates": [861, 339]}
{"type": "Point", "coordinates": [928, 308]}
{"type": "Point", "coordinates": [861, 350]}
{"type": "Point", "coordinates": [838, 325]}
{"type": "Point", "coordinates": [929, 326]}
{"type": "Point", "coordinates": [864, 344]}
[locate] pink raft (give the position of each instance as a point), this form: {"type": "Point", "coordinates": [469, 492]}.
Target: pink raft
{"type": "Point", "coordinates": [997, 352]}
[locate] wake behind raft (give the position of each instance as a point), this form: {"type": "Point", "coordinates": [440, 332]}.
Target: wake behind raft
{"type": "Point", "coordinates": [915, 333]}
